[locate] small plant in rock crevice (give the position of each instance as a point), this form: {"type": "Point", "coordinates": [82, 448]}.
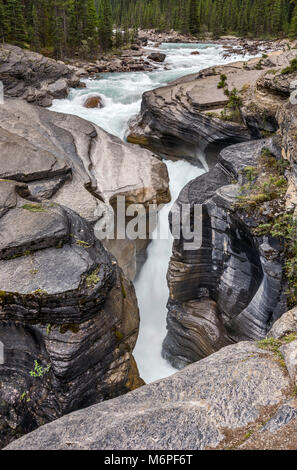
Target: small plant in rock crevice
{"type": "Point", "coordinates": [259, 65]}
{"type": "Point", "coordinates": [232, 111]}
{"type": "Point", "coordinates": [83, 244]}
{"type": "Point", "coordinates": [291, 68]}
{"type": "Point", "coordinates": [33, 207]}
{"type": "Point", "coordinates": [93, 278]}
{"type": "Point", "coordinates": [39, 371]}
{"type": "Point", "coordinates": [265, 183]}
{"type": "Point", "coordinates": [223, 81]}
{"type": "Point", "coordinates": [25, 397]}
{"type": "Point", "coordinates": [273, 345]}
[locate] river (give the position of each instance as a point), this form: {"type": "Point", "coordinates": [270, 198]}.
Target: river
{"type": "Point", "coordinates": [121, 93]}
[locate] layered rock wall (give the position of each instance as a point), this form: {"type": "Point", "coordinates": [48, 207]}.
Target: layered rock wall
{"type": "Point", "coordinates": [69, 318]}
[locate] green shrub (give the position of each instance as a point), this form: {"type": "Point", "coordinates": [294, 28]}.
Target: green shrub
{"type": "Point", "coordinates": [223, 81]}
{"type": "Point", "coordinates": [291, 68]}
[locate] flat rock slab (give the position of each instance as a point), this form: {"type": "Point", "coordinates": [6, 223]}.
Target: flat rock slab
{"type": "Point", "coordinates": [205, 94]}
{"type": "Point", "coordinates": [32, 227]}
{"type": "Point", "coordinates": [194, 409]}
{"type": "Point", "coordinates": [23, 161]}
{"type": "Point", "coordinates": [49, 271]}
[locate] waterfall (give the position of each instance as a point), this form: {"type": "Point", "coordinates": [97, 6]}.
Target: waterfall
{"type": "Point", "coordinates": [151, 285]}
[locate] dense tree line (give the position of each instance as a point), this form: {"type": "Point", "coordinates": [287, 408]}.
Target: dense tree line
{"type": "Point", "coordinates": [62, 27]}
{"type": "Point", "coordinates": [257, 18]}
{"type": "Point", "coordinates": [59, 27]}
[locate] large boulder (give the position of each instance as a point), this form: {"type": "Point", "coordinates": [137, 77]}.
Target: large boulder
{"type": "Point", "coordinates": [33, 77]}
{"type": "Point", "coordinates": [157, 56]}
{"type": "Point", "coordinates": [68, 314]}
{"type": "Point", "coordinates": [221, 402]}
{"type": "Point", "coordinates": [75, 163]}
{"type": "Point", "coordinates": [94, 101]}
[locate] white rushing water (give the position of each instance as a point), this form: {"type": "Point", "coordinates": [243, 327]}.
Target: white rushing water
{"type": "Point", "coordinates": [151, 285]}
{"type": "Point", "coordinates": [121, 93]}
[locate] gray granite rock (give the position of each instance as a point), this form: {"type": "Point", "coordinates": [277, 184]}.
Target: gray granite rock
{"type": "Point", "coordinates": [285, 325]}
{"type": "Point", "coordinates": [33, 77]}
{"type": "Point", "coordinates": [157, 57]}
{"type": "Point", "coordinates": [64, 301]}
{"type": "Point", "coordinates": [279, 433]}
{"type": "Point", "coordinates": [289, 352]}
{"type": "Point", "coordinates": [8, 196]}
{"type": "Point", "coordinates": [184, 118]}
{"type": "Point", "coordinates": [202, 407]}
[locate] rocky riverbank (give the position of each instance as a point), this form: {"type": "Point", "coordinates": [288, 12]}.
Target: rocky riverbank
{"type": "Point", "coordinates": [33, 77]}
{"type": "Point", "coordinates": [191, 110]}
{"type": "Point", "coordinates": [243, 397]}
{"type": "Point", "coordinates": [40, 79]}
{"type": "Point", "coordinates": [138, 57]}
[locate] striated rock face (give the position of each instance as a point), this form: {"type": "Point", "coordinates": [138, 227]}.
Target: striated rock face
{"type": "Point", "coordinates": [233, 287]}
{"type": "Point", "coordinates": [68, 317]}
{"type": "Point", "coordinates": [219, 403]}
{"type": "Point", "coordinates": [75, 163]}
{"type": "Point", "coordinates": [33, 77]}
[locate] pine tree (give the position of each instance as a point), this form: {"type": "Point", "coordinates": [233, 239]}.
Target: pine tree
{"type": "Point", "coordinates": [243, 20]}
{"type": "Point", "coordinates": [33, 30]}
{"type": "Point", "coordinates": [184, 16]}
{"type": "Point", "coordinates": [91, 26]}
{"type": "Point", "coordinates": [4, 23]}
{"type": "Point", "coordinates": [276, 16]}
{"type": "Point", "coordinates": [194, 20]}
{"type": "Point", "coordinates": [105, 24]}
{"type": "Point", "coordinates": [15, 16]}
{"type": "Point", "coordinates": [91, 19]}
{"type": "Point", "coordinates": [293, 27]}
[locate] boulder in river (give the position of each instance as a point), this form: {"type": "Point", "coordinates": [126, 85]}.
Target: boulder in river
{"type": "Point", "coordinates": [157, 56]}
{"type": "Point", "coordinates": [94, 101]}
